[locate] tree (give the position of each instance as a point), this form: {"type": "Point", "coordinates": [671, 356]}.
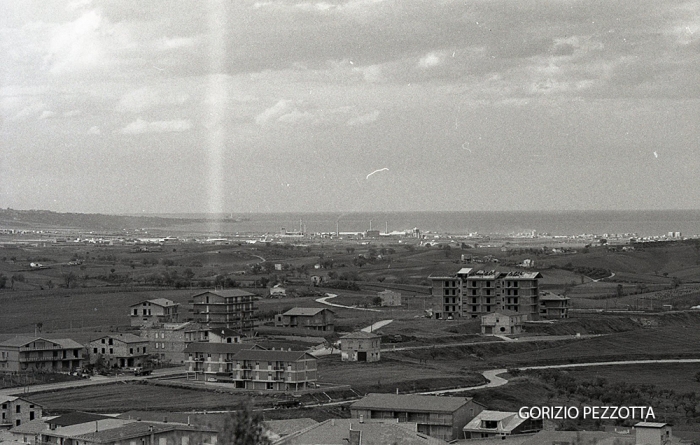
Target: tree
{"type": "Point", "coordinates": [244, 427]}
{"type": "Point", "coordinates": [70, 279]}
{"type": "Point", "coordinates": [3, 281]}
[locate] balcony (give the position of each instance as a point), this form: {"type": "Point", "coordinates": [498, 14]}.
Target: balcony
{"type": "Point", "coordinates": [41, 359]}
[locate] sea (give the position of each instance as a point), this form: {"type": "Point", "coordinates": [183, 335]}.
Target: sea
{"type": "Point", "coordinates": [638, 222]}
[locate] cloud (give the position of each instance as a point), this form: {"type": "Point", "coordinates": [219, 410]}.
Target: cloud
{"type": "Point", "coordinates": [94, 130]}
{"type": "Point", "coordinates": [364, 119]}
{"type": "Point", "coordinates": [147, 97]}
{"type": "Point", "coordinates": [47, 114]}
{"type": "Point", "coordinates": [430, 60]}
{"type": "Point", "coordinates": [140, 126]}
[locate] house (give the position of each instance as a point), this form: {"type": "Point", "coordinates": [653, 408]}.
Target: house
{"type": "Point", "coordinates": [359, 432]}
{"type": "Point", "coordinates": [473, 293]}
{"type": "Point", "coordinates": [498, 424]}
{"type": "Point", "coordinates": [274, 370]}
{"type": "Point", "coordinates": [438, 417]}
{"type": "Point", "coordinates": [652, 433]}
{"type": "Point", "coordinates": [158, 310]}
{"type": "Point", "coordinates": [212, 361]}
{"type": "Point", "coordinates": [316, 319]}
{"type": "Point", "coordinates": [360, 346]}
{"type": "Point", "coordinates": [228, 308]}
{"type": "Point", "coordinates": [502, 322]}
{"type": "Point", "coordinates": [15, 411]}
{"type": "Point", "coordinates": [277, 291]}
{"type": "Point", "coordinates": [390, 298]}
{"type": "Point", "coordinates": [39, 354]}
{"type": "Point", "coordinates": [166, 341]}
{"type": "Point", "coordinates": [119, 350]}
{"type": "Point", "coordinates": [199, 333]}
{"type": "Point", "coordinates": [553, 306]}
{"type": "Point", "coordinates": [113, 431]}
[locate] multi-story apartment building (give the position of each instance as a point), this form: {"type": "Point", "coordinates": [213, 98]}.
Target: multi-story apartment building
{"type": "Point", "coordinates": [207, 361]}
{"type": "Point", "coordinates": [230, 308]}
{"type": "Point", "coordinates": [15, 411]}
{"type": "Point", "coordinates": [249, 366]}
{"type": "Point", "coordinates": [439, 417]}
{"type": "Point", "coordinates": [166, 341]}
{"type": "Point", "coordinates": [158, 310]}
{"type": "Point", "coordinates": [471, 293]}
{"type": "Point", "coordinates": [39, 354]}
{"type": "Point", "coordinates": [119, 350]}
{"type": "Point", "coordinates": [274, 370]}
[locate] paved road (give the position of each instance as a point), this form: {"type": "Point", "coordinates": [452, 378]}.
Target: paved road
{"type": "Point", "coordinates": [377, 325]}
{"type": "Point", "coordinates": [324, 300]}
{"type": "Point", "coordinates": [92, 381]}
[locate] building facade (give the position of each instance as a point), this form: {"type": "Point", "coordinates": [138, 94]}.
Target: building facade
{"type": "Point", "coordinates": [166, 341]}
{"type": "Point", "coordinates": [553, 306]}
{"type": "Point", "coordinates": [360, 347]}
{"type": "Point", "coordinates": [390, 298]}
{"type": "Point", "coordinates": [489, 424]}
{"type": "Point", "coordinates": [15, 411]}
{"type": "Point", "coordinates": [158, 310]}
{"type": "Point", "coordinates": [119, 350]}
{"type": "Point", "coordinates": [439, 417]}
{"type": "Point", "coordinates": [274, 370]}
{"type": "Point", "coordinates": [471, 293]}
{"type": "Point", "coordinates": [315, 319]}
{"type": "Point", "coordinates": [212, 361]}
{"type": "Point", "coordinates": [229, 308]}
{"type": "Point", "coordinates": [39, 354]}
{"type": "Point", "coordinates": [502, 323]}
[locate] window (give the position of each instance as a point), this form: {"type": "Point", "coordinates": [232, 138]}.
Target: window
{"type": "Point", "coordinates": [103, 350]}
{"type": "Point", "coordinates": [156, 345]}
{"type": "Point", "coordinates": [103, 341]}
{"type": "Point", "coordinates": [111, 342]}
{"type": "Point", "coordinates": [131, 350]}
{"type": "Point", "coordinates": [136, 312]}
{"type": "Point", "coordinates": [162, 346]}
{"type": "Point", "coordinates": [111, 350]}
{"type": "Point", "coordinates": [31, 415]}
{"type": "Point", "coordinates": [94, 350]}
{"type": "Point", "coordinates": [18, 422]}
{"type": "Point", "coordinates": [18, 409]}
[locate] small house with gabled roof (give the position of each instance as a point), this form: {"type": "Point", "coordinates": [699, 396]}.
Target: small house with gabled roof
{"type": "Point", "coordinates": [312, 318]}
{"type": "Point", "coordinates": [157, 310]}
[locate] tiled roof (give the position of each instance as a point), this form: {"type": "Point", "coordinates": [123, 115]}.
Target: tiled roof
{"type": "Point", "coordinates": [410, 402]}
{"type": "Point", "coordinates": [126, 338]}
{"type": "Point", "coordinates": [23, 340]}
{"type": "Point", "coordinates": [360, 335]}
{"type": "Point", "coordinates": [76, 417]}
{"type": "Point", "coordinates": [135, 429]}
{"type": "Point", "coordinates": [32, 427]}
{"type": "Point", "coordinates": [272, 356]}
{"type": "Point", "coordinates": [337, 432]}
{"type": "Point", "coordinates": [306, 311]}
{"type": "Point", "coordinates": [519, 275]}
{"type": "Point", "coordinates": [227, 293]}
{"type": "Point", "coordinates": [218, 348]}
{"type": "Point", "coordinates": [289, 426]}
{"type": "Point", "coordinates": [164, 302]}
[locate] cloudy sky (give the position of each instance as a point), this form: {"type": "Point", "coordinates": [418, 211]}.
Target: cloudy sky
{"type": "Point", "coordinates": [349, 105]}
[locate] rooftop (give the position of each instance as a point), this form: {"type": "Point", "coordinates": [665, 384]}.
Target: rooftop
{"type": "Point", "coordinates": [360, 335]}
{"type": "Point", "coordinates": [272, 356]}
{"type": "Point", "coordinates": [125, 337]}
{"type": "Point", "coordinates": [306, 311]}
{"type": "Point", "coordinates": [227, 293]}
{"type": "Point", "coordinates": [219, 348]}
{"type": "Point", "coordinates": [411, 402]}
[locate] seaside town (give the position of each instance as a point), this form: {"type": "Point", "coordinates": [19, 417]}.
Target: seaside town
{"type": "Point", "coordinates": [346, 337]}
{"type": "Point", "coordinates": [349, 222]}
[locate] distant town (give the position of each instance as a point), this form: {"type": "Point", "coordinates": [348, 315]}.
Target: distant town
{"type": "Point", "coordinates": [154, 336]}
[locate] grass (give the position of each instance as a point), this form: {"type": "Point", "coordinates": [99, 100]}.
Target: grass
{"type": "Point", "coordinates": [679, 377]}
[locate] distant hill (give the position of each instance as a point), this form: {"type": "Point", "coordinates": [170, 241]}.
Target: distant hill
{"type": "Point", "coordinates": [10, 218]}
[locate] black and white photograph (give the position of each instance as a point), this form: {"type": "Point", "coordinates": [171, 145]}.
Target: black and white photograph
{"type": "Point", "coordinates": [349, 222]}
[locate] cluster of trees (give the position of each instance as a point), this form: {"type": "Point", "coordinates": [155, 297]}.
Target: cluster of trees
{"type": "Point", "coordinates": [677, 406]}
{"type": "Point", "coordinates": [19, 278]}
{"type": "Point", "coordinates": [591, 272]}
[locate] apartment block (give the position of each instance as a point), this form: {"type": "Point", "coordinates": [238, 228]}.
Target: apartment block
{"type": "Point", "coordinates": [229, 308]}
{"type": "Point", "coordinates": [473, 293]}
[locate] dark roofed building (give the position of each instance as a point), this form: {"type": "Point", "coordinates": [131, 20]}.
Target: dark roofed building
{"type": "Point", "coordinates": [274, 370]}
{"type": "Point", "coordinates": [228, 308]}
{"type": "Point", "coordinates": [212, 361]}
{"type": "Point", "coordinates": [439, 417]}
{"type": "Point", "coordinates": [317, 319]}
{"type": "Point", "coordinates": [156, 310]}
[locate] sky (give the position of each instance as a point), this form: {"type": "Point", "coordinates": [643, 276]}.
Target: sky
{"type": "Point", "coordinates": [349, 105]}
